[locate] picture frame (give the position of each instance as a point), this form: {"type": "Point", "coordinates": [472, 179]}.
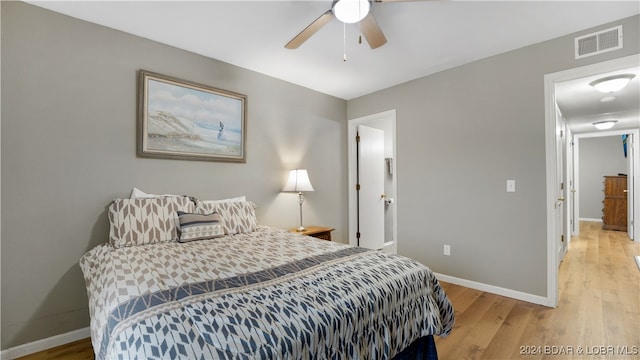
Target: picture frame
{"type": "Point", "coordinates": [184, 120]}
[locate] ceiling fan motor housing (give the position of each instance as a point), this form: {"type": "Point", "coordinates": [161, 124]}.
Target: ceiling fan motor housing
{"type": "Point", "coordinates": [363, 16]}
{"type": "Point", "coordinates": [350, 11]}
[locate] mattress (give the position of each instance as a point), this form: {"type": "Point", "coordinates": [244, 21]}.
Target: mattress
{"type": "Point", "coordinates": [266, 294]}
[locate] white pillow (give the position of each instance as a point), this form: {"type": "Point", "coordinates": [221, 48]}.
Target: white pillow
{"type": "Point", "coordinates": [212, 202]}
{"type": "Point", "coordinates": [139, 194]}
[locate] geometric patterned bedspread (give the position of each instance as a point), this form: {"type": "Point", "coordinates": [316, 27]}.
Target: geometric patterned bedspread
{"type": "Point", "coordinates": [269, 294]}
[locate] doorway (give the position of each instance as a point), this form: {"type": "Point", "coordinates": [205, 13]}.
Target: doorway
{"type": "Point", "coordinates": [622, 165]}
{"type": "Point", "coordinates": [386, 122]}
{"type": "Point", "coordinates": [552, 175]}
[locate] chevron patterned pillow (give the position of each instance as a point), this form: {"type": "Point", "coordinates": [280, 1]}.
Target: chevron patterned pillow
{"type": "Point", "coordinates": [144, 221]}
{"type": "Point", "coordinates": [199, 227]}
{"type": "Point", "coordinates": [237, 216]}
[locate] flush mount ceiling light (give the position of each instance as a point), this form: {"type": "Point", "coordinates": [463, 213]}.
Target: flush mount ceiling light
{"type": "Point", "coordinates": [613, 83]}
{"type": "Point", "coordinates": [604, 125]}
{"type": "Point", "coordinates": [351, 11]}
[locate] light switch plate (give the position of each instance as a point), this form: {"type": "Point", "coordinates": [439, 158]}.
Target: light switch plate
{"type": "Point", "coordinates": [511, 186]}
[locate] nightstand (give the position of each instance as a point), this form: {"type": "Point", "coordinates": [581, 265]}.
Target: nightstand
{"type": "Point", "coordinates": [316, 231]}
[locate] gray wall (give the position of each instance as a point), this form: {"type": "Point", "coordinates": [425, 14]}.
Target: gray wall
{"type": "Point", "coordinates": [599, 156]}
{"type": "Point", "coordinates": [461, 134]}
{"type": "Point", "coordinates": [68, 148]}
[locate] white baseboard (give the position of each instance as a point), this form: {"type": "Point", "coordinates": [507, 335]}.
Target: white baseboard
{"type": "Point", "coordinates": [590, 219]}
{"type": "Point", "coordinates": [44, 344]}
{"type": "Point", "coordinates": [514, 294]}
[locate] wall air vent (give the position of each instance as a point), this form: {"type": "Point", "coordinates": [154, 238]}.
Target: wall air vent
{"type": "Point", "coordinates": [599, 42]}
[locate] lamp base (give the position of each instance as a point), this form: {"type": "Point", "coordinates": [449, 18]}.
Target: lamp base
{"type": "Point", "coordinates": [300, 201]}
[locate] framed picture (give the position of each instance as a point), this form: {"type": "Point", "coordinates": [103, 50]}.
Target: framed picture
{"type": "Point", "coordinates": [179, 119]}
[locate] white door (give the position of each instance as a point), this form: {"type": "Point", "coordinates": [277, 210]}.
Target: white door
{"type": "Point", "coordinates": [370, 181]}
{"type": "Point", "coordinates": [630, 185]}
{"type": "Point", "coordinates": [560, 187]}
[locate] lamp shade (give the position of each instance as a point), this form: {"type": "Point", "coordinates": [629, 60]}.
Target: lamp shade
{"type": "Point", "coordinates": [298, 181]}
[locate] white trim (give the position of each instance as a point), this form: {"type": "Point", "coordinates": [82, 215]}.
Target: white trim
{"type": "Point", "coordinates": [576, 186]}
{"type": "Point", "coordinates": [514, 294]}
{"type": "Point", "coordinates": [590, 219]}
{"type": "Point", "coordinates": [570, 186]}
{"type": "Point", "coordinates": [551, 168]}
{"type": "Point", "coordinates": [552, 176]}
{"type": "Point", "coordinates": [635, 201]}
{"type": "Point", "coordinates": [44, 344]}
{"type": "Point", "coordinates": [604, 133]}
{"type": "Point", "coordinates": [351, 160]}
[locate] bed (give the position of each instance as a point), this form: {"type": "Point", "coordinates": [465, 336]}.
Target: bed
{"type": "Point", "coordinates": [182, 278]}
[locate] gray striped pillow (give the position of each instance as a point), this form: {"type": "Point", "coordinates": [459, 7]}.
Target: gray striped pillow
{"type": "Point", "coordinates": [199, 226]}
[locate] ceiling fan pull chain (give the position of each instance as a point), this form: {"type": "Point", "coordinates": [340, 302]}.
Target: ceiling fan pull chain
{"type": "Point", "coordinates": [344, 41]}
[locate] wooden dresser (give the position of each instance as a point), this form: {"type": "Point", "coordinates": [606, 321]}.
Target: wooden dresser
{"type": "Point", "coordinates": [614, 211]}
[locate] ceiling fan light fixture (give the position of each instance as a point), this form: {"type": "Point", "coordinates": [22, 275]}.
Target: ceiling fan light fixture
{"type": "Point", "coordinates": [351, 11]}
{"type": "Point", "coordinates": [613, 83]}
{"type": "Point", "coordinates": [604, 125]}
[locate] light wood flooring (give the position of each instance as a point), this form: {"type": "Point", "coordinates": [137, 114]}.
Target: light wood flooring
{"type": "Point", "coordinates": [599, 306]}
{"type": "Point", "coordinates": [599, 311]}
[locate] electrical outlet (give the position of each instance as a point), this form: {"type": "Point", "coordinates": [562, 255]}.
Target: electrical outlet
{"type": "Point", "coordinates": [447, 250]}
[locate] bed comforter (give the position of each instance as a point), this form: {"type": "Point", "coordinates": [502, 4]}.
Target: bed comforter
{"type": "Point", "coordinates": [268, 294]}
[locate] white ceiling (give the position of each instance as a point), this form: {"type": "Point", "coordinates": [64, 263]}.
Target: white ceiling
{"type": "Point", "coordinates": [424, 37]}
{"type": "Point", "coordinates": [582, 105]}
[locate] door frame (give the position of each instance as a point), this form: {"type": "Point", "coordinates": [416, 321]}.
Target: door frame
{"type": "Point", "coordinates": [352, 124]}
{"type": "Point", "coordinates": [562, 134]}
{"type": "Point", "coordinates": [632, 156]}
{"type": "Point", "coordinates": [550, 144]}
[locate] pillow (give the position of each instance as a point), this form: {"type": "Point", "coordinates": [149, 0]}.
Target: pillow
{"type": "Point", "coordinates": [146, 220]}
{"type": "Point", "coordinates": [199, 227]}
{"type": "Point", "coordinates": [237, 216]}
{"type": "Point", "coordinates": [239, 198]}
{"type": "Point", "coordinates": [139, 194]}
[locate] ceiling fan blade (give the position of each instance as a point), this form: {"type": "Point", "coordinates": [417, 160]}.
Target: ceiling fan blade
{"type": "Point", "coordinates": [372, 32]}
{"type": "Point", "coordinates": [305, 34]}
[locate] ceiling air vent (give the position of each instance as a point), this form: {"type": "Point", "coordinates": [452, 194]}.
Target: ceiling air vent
{"type": "Point", "coordinates": [599, 42]}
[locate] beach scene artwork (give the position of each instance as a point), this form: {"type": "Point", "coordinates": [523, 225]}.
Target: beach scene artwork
{"type": "Point", "coordinates": [190, 121]}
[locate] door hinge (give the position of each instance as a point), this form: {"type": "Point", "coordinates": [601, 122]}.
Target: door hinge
{"type": "Point", "coordinates": [562, 186]}
{"type": "Point", "coordinates": [357, 138]}
{"type": "Point", "coordinates": [357, 187]}
{"type": "Point", "coordinates": [358, 235]}
{"type": "Point", "coordinates": [562, 238]}
{"type": "Point", "coordinates": [561, 133]}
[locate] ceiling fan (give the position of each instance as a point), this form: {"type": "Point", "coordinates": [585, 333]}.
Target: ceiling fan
{"type": "Point", "coordinates": [349, 12]}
